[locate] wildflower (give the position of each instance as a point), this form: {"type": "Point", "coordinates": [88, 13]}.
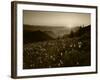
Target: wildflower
{"type": "Point", "coordinates": [71, 45]}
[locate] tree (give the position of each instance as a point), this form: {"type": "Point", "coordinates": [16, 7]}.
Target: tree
{"type": "Point", "coordinates": [71, 34]}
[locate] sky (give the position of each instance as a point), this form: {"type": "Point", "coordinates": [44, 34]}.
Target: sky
{"type": "Point", "coordinates": [66, 19]}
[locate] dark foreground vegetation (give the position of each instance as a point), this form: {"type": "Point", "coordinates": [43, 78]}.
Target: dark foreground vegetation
{"type": "Point", "coordinates": [71, 50]}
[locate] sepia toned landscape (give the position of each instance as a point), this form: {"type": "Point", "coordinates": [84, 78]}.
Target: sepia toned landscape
{"type": "Point", "coordinates": [54, 39]}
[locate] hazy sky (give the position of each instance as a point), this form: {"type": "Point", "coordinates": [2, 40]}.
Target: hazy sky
{"type": "Point", "coordinates": [56, 18]}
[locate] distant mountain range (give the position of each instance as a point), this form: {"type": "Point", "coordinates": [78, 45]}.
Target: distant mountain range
{"type": "Point", "coordinates": [44, 28]}
{"type": "Point", "coordinates": [34, 33]}
{"type": "Point", "coordinates": [51, 31]}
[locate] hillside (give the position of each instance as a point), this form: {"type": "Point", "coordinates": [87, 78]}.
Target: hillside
{"type": "Point", "coordinates": [35, 36]}
{"type": "Point", "coordinates": [80, 32]}
{"type": "Point", "coordinates": [53, 31]}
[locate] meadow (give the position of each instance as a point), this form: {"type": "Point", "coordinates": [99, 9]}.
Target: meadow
{"type": "Point", "coordinates": [71, 50]}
